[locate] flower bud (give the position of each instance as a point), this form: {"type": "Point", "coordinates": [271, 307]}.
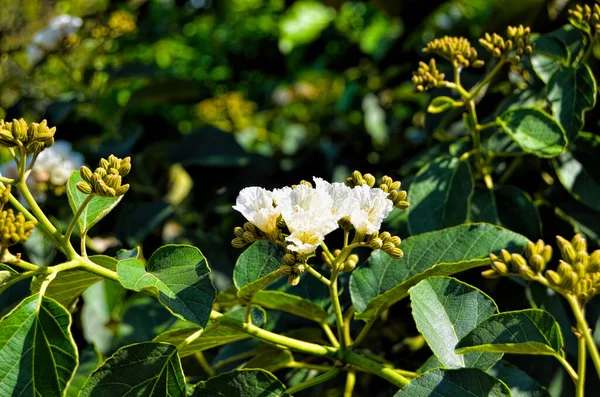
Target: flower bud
{"type": "Point", "coordinates": [285, 270]}
{"type": "Point", "coordinates": [583, 257]}
{"type": "Point", "coordinates": [298, 268]}
{"type": "Point", "coordinates": [86, 174]}
{"type": "Point", "coordinates": [567, 250]}
{"type": "Point", "coordinates": [579, 268]}
{"type": "Point", "coordinates": [505, 255]}
{"type": "Point", "coordinates": [357, 178]}
{"type": "Point", "coordinates": [537, 264]}
{"type": "Point", "coordinates": [526, 272]}
{"type": "Point", "coordinates": [395, 186]}
{"type": "Point", "coordinates": [238, 231]}
{"type": "Point", "coordinates": [369, 179]}
{"type": "Point", "coordinates": [121, 190]}
{"type": "Point", "coordinates": [553, 277]}
{"type": "Point", "coordinates": [500, 268]}
{"type": "Point", "coordinates": [249, 227]}
{"type": "Point", "coordinates": [547, 253]}
{"type": "Point", "coordinates": [289, 259]}
{"type": "Point", "coordinates": [518, 261]}
{"type": "Point", "coordinates": [388, 247]}
{"type": "Point", "coordinates": [345, 223]}
{"type": "Point", "coordinates": [385, 236]}
{"type": "Point", "coordinates": [84, 187]}
{"type": "Point", "coordinates": [238, 242]}
{"type": "Point", "coordinates": [563, 268]}
{"type": "Point", "coordinates": [395, 240]}
{"type": "Point", "coordinates": [402, 205]}
{"type": "Point", "coordinates": [530, 249]}
{"type": "Point", "coordinates": [348, 266]}
{"type": "Point", "coordinates": [579, 242]}
{"type": "Point", "coordinates": [396, 253]}
{"type": "Point", "coordinates": [293, 279]}
{"type": "Point", "coordinates": [376, 243]}
{"type": "Point", "coordinates": [249, 237]}
{"type": "Point", "coordinates": [594, 262]}
{"type": "Point", "coordinates": [491, 274]}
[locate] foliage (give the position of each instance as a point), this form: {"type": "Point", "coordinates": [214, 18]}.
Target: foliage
{"type": "Point", "coordinates": [476, 159]}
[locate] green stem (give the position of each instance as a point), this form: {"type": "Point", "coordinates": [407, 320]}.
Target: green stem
{"type": "Point", "coordinates": [330, 335]}
{"type": "Point", "coordinates": [374, 367]}
{"type": "Point", "coordinates": [204, 364]}
{"type": "Point", "coordinates": [567, 367]}
{"type": "Point", "coordinates": [581, 359]}
{"type": "Point", "coordinates": [7, 181]}
{"type": "Point", "coordinates": [76, 217]}
{"type": "Point", "coordinates": [337, 309]}
{"type": "Point", "coordinates": [313, 382]}
{"type": "Point", "coordinates": [350, 381]}
{"type": "Point", "coordinates": [190, 339]}
{"type": "Point", "coordinates": [584, 329]}
{"type": "Point", "coordinates": [363, 333]}
{"type": "Point", "coordinates": [479, 86]}
{"type": "Point", "coordinates": [327, 252]}
{"type": "Point", "coordinates": [317, 275]}
{"type": "Point", "coordinates": [408, 374]}
{"type": "Point", "coordinates": [588, 50]}
{"type": "Point", "coordinates": [316, 367]}
{"type": "Point", "coordinates": [249, 312]}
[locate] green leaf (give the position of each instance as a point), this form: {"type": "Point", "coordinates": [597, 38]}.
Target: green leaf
{"type": "Point", "coordinates": [89, 360]}
{"type": "Point", "coordinates": [278, 300]}
{"type": "Point", "coordinates": [519, 383]}
{"type": "Point", "coordinates": [68, 286]}
{"type": "Point", "coordinates": [179, 276]}
{"type": "Point", "coordinates": [270, 358]}
{"type": "Point", "coordinates": [578, 169]}
{"type": "Point", "coordinates": [571, 92]}
{"type": "Point", "coordinates": [431, 363]}
{"type": "Point", "coordinates": [445, 310]}
{"type": "Point", "coordinates": [439, 196]}
{"type": "Point", "coordinates": [572, 39]}
{"type": "Point", "coordinates": [302, 23]}
{"type": "Point", "coordinates": [442, 103]}
{"type": "Point", "coordinates": [241, 383]}
{"type": "Point", "coordinates": [6, 273]}
{"type": "Point", "coordinates": [517, 212]}
{"type": "Point", "coordinates": [549, 55]}
{"type": "Point", "coordinates": [144, 369]}
{"type": "Point", "coordinates": [257, 267]}
{"type": "Point", "coordinates": [385, 281]}
{"type": "Point", "coordinates": [530, 331]}
{"type": "Point", "coordinates": [464, 382]}
{"type": "Point", "coordinates": [97, 208]}
{"type": "Point", "coordinates": [534, 131]}
{"type": "Point", "coordinates": [214, 334]}
{"type": "Point", "coordinates": [38, 355]}
{"type": "Point", "coordinates": [483, 207]}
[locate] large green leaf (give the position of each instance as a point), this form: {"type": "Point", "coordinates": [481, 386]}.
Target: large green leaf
{"type": "Point", "coordinates": [534, 131]}
{"type": "Point", "coordinates": [38, 355]}
{"type": "Point", "coordinates": [445, 310]}
{"type": "Point", "coordinates": [213, 335]}
{"type": "Point", "coordinates": [548, 57]}
{"type": "Point", "coordinates": [385, 281]}
{"type": "Point", "coordinates": [179, 276]}
{"type": "Point", "coordinates": [97, 208]}
{"type": "Point", "coordinates": [279, 300]}
{"type": "Point", "coordinates": [146, 369]}
{"type": "Point", "coordinates": [463, 382]}
{"type": "Point", "coordinates": [579, 169]}
{"type": "Point", "coordinates": [519, 382]}
{"type": "Point", "coordinates": [517, 212]}
{"type": "Point", "coordinates": [530, 331]}
{"type": "Point", "coordinates": [439, 196]}
{"type": "Point", "coordinates": [68, 286]}
{"type": "Point", "coordinates": [241, 383]}
{"type": "Point", "coordinates": [270, 358]}
{"type": "Point", "coordinates": [571, 92]}
{"type": "Point", "coordinates": [257, 267]}
{"type": "Point", "coordinates": [483, 207]}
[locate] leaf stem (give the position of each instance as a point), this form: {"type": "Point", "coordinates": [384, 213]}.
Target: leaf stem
{"type": "Point", "coordinates": [568, 367]}
{"type": "Point", "coordinates": [317, 275]}
{"type": "Point", "coordinates": [479, 86]}
{"type": "Point", "coordinates": [330, 335]}
{"type": "Point", "coordinates": [71, 226]}
{"type": "Point", "coordinates": [363, 333]}
{"type": "Point", "coordinates": [313, 382]}
{"type": "Point", "coordinates": [204, 364]}
{"type": "Point", "coordinates": [316, 367]}
{"type": "Point", "coordinates": [581, 360]}
{"type": "Point", "coordinates": [584, 329]}
{"type": "Point", "coordinates": [337, 309]}
{"type": "Point", "coordinates": [350, 381]}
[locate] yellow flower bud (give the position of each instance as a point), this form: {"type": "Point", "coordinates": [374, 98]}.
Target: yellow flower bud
{"type": "Point", "coordinates": [491, 274]}
{"type": "Point", "coordinates": [500, 268]}
{"type": "Point", "coordinates": [369, 179]}
{"type": "Point", "coordinates": [579, 243]}
{"type": "Point", "coordinates": [84, 187]}
{"type": "Point", "coordinates": [285, 270]}
{"type": "Point", "coordinates": [289, 259]}
{"type": "Point", "coordinates": [238, 242]}
{"type": "Point", "coordinates": [537, 263]}
{"type": "Point", "coordinates": [293, 279]}
{"type": "Point", "coordinates": [553, 277]}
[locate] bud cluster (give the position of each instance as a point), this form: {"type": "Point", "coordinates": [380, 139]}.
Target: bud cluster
{"type": "Point", "coordinates": [106, 180]}
{"type": "Point", "coordinates": [585, 17]}
{"type": "Point", "coordinates": [427, 76]}
{"type": "Point", "coordinates": [578, 272]}
{"type": "Point", "coordinates": [14, 229]}
{"type": "Point", "coordinates": [348, 265]}
{"type": "Point", "coordinates": [397, 196]}
{"type": "Point", "coordinates": [32, 138]}
{"type": "Point", "coordinates": [387, 243]}
{"type": "Point", "coordinates": [293, 266]}
{"type": "Point", "coordinates": [533, 264]}
{"type": "Point", "coordinates": [457, 50]}
{"type": "Point", "coordinates": [358, 179]}
{"type": "Point", "coordinates": [517, 43]}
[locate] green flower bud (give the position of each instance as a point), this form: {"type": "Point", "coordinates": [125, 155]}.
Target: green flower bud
{"type": "Point", "coordinates": [396, 186]}
{"type": "Point", "coordinates": [345, 223]}
{"type": "Point", "coordinates": [491, 274]}
{"type": "Point", "coordinates": [388, 247]}
{"type": "Point", "coordinates": [579, 243]}
{"type": "Point", "coordinates": [249, 237]}
{"type": "Point", "coordinates": [547, 253]}
{"type": "Point", "coordinates": [500, 268]}
{"type": "Point", "coordinates": [563, 268]}
{"type": "Point", "coordinates": [537, 263]}
{"type": "Point", "coordinates": [579, 268]}
{"type": "Point", "coordinates": [238, 242]}
{"type": "Point", "coordinates": [285, 270]}
{"type": "Point", "coordinates": [505, 255]}
{"type": "Point", "coordinates": [298, 268]}
{"type": "Point", "coordinates": [121, 190]}
{"type": "Point", "coordinates": [395, 240]}
{"type": "Point", "coordinates": [526, 272]}
{"type": "Point", "coordinates": [594, 262]}
{"type": "Point", "coordinates": [376, 243]}
{"type": "Point", "coordinates": [238, 231]}
{"type": "Point", "coordinates": [553, 277]}
{"type": "Point", "coordinates": [249, 227]}
{"type": "Point", "coordinates": [385, 236]}
{"type": "Point", "coordinates": [567, 250]}
{"type": "Point", "coordinates": [84, 187]}
{"type": "Point", "coordinates": [348, 266]}
{"type": "Point", "coordinates": [369, 179]}
{"type": "Point", "coordinates": [86, 174]}
{"type": "Point", "coordinates": [293, 279]}
{"type": "Point", "coordinates": [518, 261]}
{"type": "Point", "coordinates": [289, 259]}
{"type": "Point", "coordinates": [396, 253]}
{"type": "Point", "coordinates": [530, 249]}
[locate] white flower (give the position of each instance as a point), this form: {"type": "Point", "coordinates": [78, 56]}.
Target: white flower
{"type": "Point", "coordinates": [344, 202]}
{"type": "Point", "coordinates": [256, 204]}
{"type": "Point", "coordinates": [374, 206]}
{"type": "Point", "coordinates": [67, 24]}
{"type": "Point", "coordinates": [56, 164]}
{"type": "Point", "coordinates": [48, 39]}
{"type": "Point", "coordinates": [34, 53]}
{"type": "Point", "coordinates": [308, 215]}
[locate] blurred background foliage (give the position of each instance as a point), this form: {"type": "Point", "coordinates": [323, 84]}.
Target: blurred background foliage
{"type": "Point", "coordinates": [210, 96]}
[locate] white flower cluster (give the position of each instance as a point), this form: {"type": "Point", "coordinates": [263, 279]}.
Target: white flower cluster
{"type": "Point", "coordinates": [50, 38]}
{"type": "Point", "coordinates": [51, 169]}
{"type": "Point", "coordinates": [312, 213]}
